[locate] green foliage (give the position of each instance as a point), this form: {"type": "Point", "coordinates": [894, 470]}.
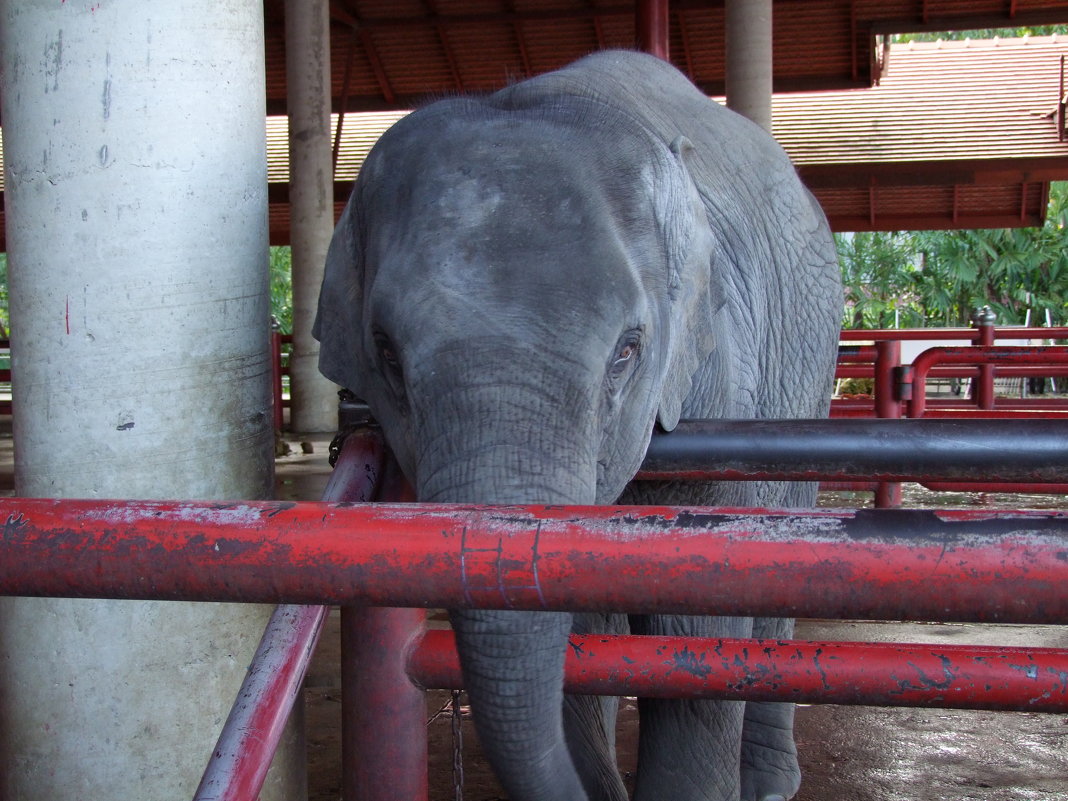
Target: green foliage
{"type": "Point", "coordinates": [878, 273]}
{"type": "Point", "coordinates": [282, 288]}
{"type": "Point", "coordinates": [934, 278]}
{"type": "Point", "coordinates": [984, 33]}
{"type": "Point", "coordinates": [4, 329]}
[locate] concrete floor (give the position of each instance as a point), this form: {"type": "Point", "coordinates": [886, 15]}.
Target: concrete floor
{"type": "Point", "coordinates": [855, 753]}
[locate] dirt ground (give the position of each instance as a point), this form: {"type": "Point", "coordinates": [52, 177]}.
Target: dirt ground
{"type": "Point", "coordinates": [854, 753]}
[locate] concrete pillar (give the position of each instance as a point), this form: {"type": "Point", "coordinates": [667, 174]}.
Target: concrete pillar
{"type": "Point", "coordinates": [313, 399]}
{"type": "Point", "coordinates": [137, 254]}
{"type": "Point", "coordinates": [749, 59]}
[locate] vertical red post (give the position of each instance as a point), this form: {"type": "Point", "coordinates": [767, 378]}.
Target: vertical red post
{"type": "Point", "coordinates": [984, 392]}
{"type": "Point", "coordinates": [276, 375]}
{"type": "Point", "coordinates": [654, 28]}
{"type": "Point", "coordinates": [887, 405]}
{"type": "Point", "coordinates": [383, 726]}
{"type": "Point", "coordinates": [887, 362]}
{"type": "Point", "coordinates": [383, 714]}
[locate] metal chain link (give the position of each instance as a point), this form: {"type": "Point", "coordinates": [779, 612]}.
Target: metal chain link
{"type": "Point", "coordinates": [457, 747]}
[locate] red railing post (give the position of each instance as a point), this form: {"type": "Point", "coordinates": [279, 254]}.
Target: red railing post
{"type": "Point", "coordinates": [887, 405]}
{"type": "Point", "coordinates": [276, 374]}
{"type": "Point", "coordinates": [383, 724]}
{"type": "Point", "coordinates": [984, 320]}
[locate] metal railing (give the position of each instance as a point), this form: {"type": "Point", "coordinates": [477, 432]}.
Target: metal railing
{"type": "Point", "coordinates": [874, 564]}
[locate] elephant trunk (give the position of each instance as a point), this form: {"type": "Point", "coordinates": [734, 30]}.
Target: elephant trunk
{"type": "Point", "coordinates": [513, 661]}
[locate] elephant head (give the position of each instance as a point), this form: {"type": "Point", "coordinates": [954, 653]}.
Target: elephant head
{"type": "Point", "coordinates": [516, 303]}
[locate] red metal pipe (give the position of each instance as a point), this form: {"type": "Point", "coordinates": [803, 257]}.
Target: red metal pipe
{"type": "Point", "coordinates": [1004, 332]}
{"type": "Point", "coordinates": [881, 564]}
{"type": "Point", "coordinates": [384, 742]}
{"type": "Point", "coordinates": [856, 354]}
{"type": "Point", "coordinates": [881, 674]}
{"type": "Point", "coordinates": [276, 378]}
{"type": "Point", "coordinates": [993, 486]}
{"type": "Point", "coordinates": [383, 715]}
{"type": "Point", "coordinates": [851, 370]}
{"type": "Point", "coordinates": [887, 405]}
{"type": "Point", "coordinates": [984, 386]}
{"type": "Point", "coordinates": [249, 738]}
{"type": "Point", "coordinates": [1057, 355]}
{"type": "Point", "coordinates": [246, 746]}
{"type": "Point", "coordinates": [970, 412]}
{"type": "Point", "coordinates": [653, 26]}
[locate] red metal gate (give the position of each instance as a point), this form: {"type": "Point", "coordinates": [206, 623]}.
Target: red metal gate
{"type": "Point", "coordinates": [879, 564]}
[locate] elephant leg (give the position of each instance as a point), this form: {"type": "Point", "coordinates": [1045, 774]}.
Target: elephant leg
{"type": "Point", "coordinates": [769, 755]}
{"type": "Point", "coordinates": [689, 750]}
{"type": "Point", "coordinates": [590, 724]}
{"type": "Point", "coordinates": [513, 670]}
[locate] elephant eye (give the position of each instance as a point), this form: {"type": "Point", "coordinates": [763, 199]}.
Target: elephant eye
{"type": "Point", "coordinates": [388, 356]}
{"type": "Point", "coordinates": [627, 351]}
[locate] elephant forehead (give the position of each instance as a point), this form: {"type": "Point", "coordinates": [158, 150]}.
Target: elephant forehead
{"type": "Point", "coordinates": [522, 298]}
{"type": "Point", "coordinates": [476, 242]}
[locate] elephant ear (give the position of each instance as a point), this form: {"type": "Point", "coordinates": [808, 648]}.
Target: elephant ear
{"type": "Point", "coordinates": [696, 289]}
{"type": "Point", "coordinates": [340, 304]}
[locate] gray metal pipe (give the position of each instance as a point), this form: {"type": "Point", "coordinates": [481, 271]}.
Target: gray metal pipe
{"type": "Point", "coordinates": [1019, 451]}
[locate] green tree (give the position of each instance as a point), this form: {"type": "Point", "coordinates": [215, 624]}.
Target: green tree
{"type": "Point", "coordinates": [879, 275]}
{"type": "Point", "coordinates": [938, 278]}
{"type": "Point", "coordinates": [980, 33]}
{"type": "Point", "coordinates": [1012, 270]}
{"type": "Point", "coordinates": [281, 262]}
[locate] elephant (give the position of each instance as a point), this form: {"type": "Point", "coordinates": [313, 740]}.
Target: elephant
{"type": "Point", "coordinates": [523, 286]}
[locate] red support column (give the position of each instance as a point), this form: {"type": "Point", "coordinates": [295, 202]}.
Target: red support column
{"type": "Point", "coordinates": [383, 726]}
{"type": "Point", "coordinates": [887, 405]}
{"type": "Point", "coordinates": [984, 388]}
{"type": "Point", "coordinates": [276, 376]}
{"type": "Point", "coordinates": [654, 29]}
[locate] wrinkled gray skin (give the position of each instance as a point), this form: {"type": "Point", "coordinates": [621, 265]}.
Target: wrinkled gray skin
{"type": "Point", "coordinates": [521, 286]}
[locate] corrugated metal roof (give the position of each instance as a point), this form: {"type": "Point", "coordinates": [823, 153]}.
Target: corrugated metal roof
{"type": "Point", "coordinates": [955, 135]}
{"type": "Point", "coordinates": [937, 101]}
{"type": "Point", "coordinates": [399, 53]}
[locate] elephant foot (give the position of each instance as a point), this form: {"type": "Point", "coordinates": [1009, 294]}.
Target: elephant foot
{"type": "Point", "coordinates": [769, 768]}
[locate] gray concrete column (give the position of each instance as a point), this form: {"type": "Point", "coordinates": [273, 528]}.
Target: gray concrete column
{"type": "Point", "coordinates": [136, 200]}
{"type": "Point", "coordinates": [749, 59]}
{"type": "Point", "coordinates": [313, 402]}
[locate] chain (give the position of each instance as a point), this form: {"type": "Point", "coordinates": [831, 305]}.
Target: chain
{"type": "Point", "coordinates": [457, 747]}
